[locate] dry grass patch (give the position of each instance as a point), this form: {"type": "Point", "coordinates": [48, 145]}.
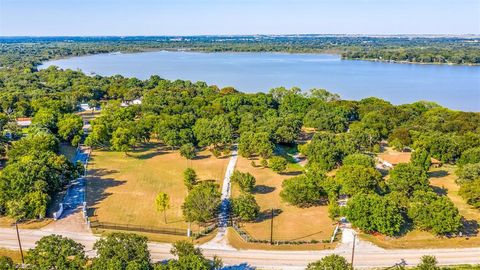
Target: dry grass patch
{"type": "Point", "coordinates": [443, 182]}
{"type": "Point", "coordinates": [29, 224]}
{"type": "Point", "coordinates": [14, 254]}
{"type": "Point", "coordinates": [162, 238]}
{"type": "Point", "coordinates": [237, 242]}
{"type": "Point", "coordinates": [122, 189]}
{"type": "Point", "coordinates": [291, 223]}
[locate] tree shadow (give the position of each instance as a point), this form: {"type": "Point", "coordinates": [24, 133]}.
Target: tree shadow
{"type": "Point", "coordinates": [267, 214]}
{"type": "Point", "coordinates": [199, 157]}
{"type": "Point", "coordinates": [438, 174]}
{"type": "Point", "coordinates": [149, 154]}
{"type": "Point", "coordinates": [243, 266]}
{"type": "Point", "coordinates": [100, 172]}
{"type": "Point", "coordinates": [262, 189]}
{"type": "Point", "coordinates": [96, 188]}
{"type": "Point", "coordinates": [292, 173]}
{"type": "Point", "coordinates": [440, 190]}
{"type": "Point", "coordinates": [470, 227]}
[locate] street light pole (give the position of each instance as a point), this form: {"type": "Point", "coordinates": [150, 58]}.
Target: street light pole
{"type": "Point", "coordinates": [19, 243]}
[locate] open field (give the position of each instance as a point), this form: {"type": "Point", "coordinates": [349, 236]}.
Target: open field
{"type": "Point", "coordinates": [122, 189]}
{"type": "Point", "coordinates": [443, 181]}
{"type": "Point", "coordinates": [291, 223]}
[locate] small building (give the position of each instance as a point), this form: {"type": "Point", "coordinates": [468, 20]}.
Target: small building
{"type": "Point", "coordinates": [24, 122]}
{"type": "Point", "coordinates": [86, 107]}
{"type": "Point", "coordinates": [390, 160]}
{"type": "Point", "coordinates": [131, 102]}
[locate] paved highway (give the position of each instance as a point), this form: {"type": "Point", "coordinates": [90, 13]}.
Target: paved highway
{"type": "Point", "coordinates": [366, 255]}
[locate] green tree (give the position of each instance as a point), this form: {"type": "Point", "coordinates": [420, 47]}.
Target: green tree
{"type": "Point", "coordinates": [471, 192]}
{"type": "Point", "coordinates": [278, 164]}
{"type": "Point", "coordinates": [470, 156]}
{"type": "Point", "coordinates": [188, 151]}
{"type": "Point", "coordinates": [202, 202]}
{"type": "Point", "coordinates": [358, 179]}
{"type": "Point", "coordinates": [122, 251]}
{"type": "Point", "coordinates": [333, 262]}
{"type": "Point", "coordinates": [374, 213]}
{"type": "Point", "coordinates": [428, 263]}
{"type": "Point", "coordinates": [255, 143]}
{"type": "Point", "coordinates": [468, 173]}
{"type": "Point", "coordinates": [56, 252]}
{"type": "Point", "coordinates": [245, 207]}
{"type": "Point", "coordinates": [122, 140]}
{"type": "Point", "coordinates": [6, 263]}
{"type": "Point", "coordinates": [303, 191]}
{"type": "Point", "coordinates": [400, 138]}
{"type": "Point", "coordinates": [435, 213]}
{"type": "Point", "coordinates": [46, 118]}
{"type": "Point", "coordinates": [213, 132]}
{"type": "Point", "coordinates": [327, 149]}
{"type": "Point", "coordinates": [189, 257]}
{"type": "Point", "coordinates": [40, 141]}
{"type": "Point", "coordinates": [190, 178]}
{"type": "Point", "coordinates": [162, 203]}
{"type": "Point", "coordinates": [407, 178]}
{"type": "Point", "coordinates": [70, 128]}
{"type": "Point", "coordinates": [422, 159]}
{"type": "Point", "coordinates": [245, 181]}
{"type": "Point", "coordinates": [359, 159]}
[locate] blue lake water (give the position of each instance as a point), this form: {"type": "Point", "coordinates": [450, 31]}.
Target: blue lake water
{"type": "Point", "coordinates": [455, 87]}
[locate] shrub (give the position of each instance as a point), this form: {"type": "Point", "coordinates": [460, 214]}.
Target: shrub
{"type": "Point", "coordinates": [278, 164]}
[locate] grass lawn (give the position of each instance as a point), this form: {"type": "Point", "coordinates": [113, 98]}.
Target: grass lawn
{"type": "Point", "coordinates": [122, 189]}
{"type": "Point", "coordinates": [292, 223]}
{"type": "Point", "coordinates": [443, 181]}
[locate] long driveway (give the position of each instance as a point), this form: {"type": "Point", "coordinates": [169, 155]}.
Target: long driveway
{"type": "Point", "coordinates": [220, 240]}
{"type": "Point", "coordinates": [364, 256]}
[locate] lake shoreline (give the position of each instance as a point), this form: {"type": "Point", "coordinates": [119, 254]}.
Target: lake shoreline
{"type": "Point", "coordinates": [453, 86]}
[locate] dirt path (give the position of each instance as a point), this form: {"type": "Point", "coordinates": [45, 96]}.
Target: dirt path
{"type": "Point", "coordinates": [220, 240]}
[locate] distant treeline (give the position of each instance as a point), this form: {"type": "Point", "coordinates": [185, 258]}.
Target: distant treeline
{"type": "Point", "coordinates": [31, 51]}
{"type": "Point", "coordinates": [448, 55]}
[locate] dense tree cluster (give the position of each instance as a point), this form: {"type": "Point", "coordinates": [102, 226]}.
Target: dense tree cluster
{"type": "Point", "coordinates": [116, 251]}
{"type": "Point", "coordinates": [416, 55]}
{"type": "Point", "coordinates": [33, 174]}
{"type": "Point", "coordinates": [469, 181]}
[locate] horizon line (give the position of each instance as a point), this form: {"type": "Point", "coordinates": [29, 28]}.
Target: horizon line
{"type": "Point", "coordinates": [239, 35]}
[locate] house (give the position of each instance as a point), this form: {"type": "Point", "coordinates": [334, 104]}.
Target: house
{"type": "Point", "coordinates": [24, 122]}
{"type": "Point", "coordinates": [85, 107]}
{"type": "Point", "coordinates": [131, 102]}
{"type": "Point", "coordinates": [391, 159]}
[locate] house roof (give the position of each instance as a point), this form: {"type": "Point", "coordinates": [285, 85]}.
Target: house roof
{"type": "Point", "coordinates": [400, 157]}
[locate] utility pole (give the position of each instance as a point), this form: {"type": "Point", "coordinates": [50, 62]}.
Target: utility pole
{"type": "Point", "coordinates": [271, 227]}
{"type": "Point", "coordinates": [353, 248]}
{"type": "Point", "coordinates": [19, 243]}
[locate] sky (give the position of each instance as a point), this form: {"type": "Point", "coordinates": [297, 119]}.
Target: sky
{"type": "Point", "coordinates": [235, 17]}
